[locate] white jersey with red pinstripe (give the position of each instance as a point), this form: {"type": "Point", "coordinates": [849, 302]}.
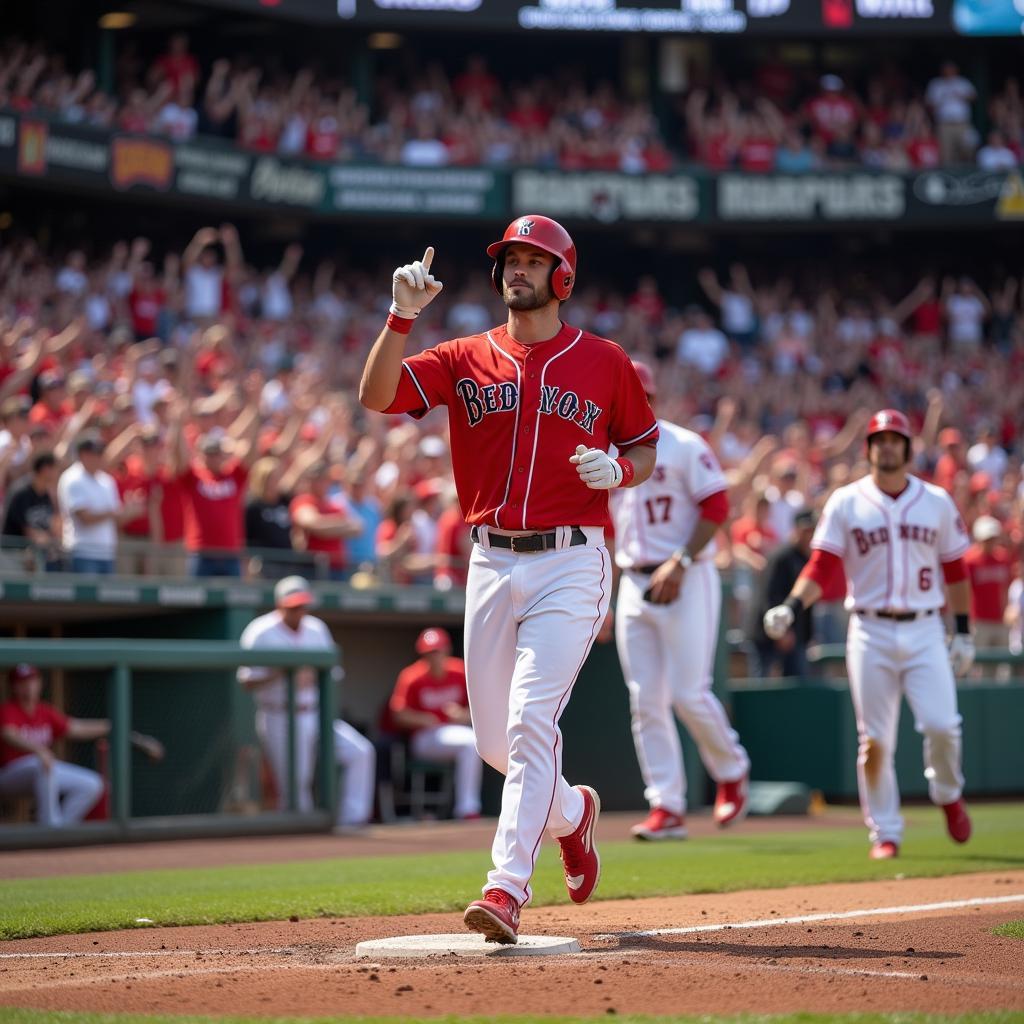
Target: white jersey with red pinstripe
{"type": "Point", "coordinates": [892, 548]}
{"type": "Point", "coordinates": [658, 517]}
{"type": "Point", "coordinates": [667, 651]}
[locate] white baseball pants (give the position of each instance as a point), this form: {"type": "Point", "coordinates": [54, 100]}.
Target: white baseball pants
{"type": "Point", "coordinates": [885, 660]}
{"type": "Point", "coordinates": [531, 620]}
{"type": "Point", "coordinates": [64, 795]}
{"type": "Point", "coordinates": [352, 751]}
{"type": "Point", "coordinates": [667, 653]}
{"type": "Point", "coordinates": [454, 743]}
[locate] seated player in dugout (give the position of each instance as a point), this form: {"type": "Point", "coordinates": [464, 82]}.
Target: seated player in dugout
{"type": "Point", "coordinates": [29, 726]}
{"type": "Point", "coordinates": [534, 404]}
{"type": "Point", "coordinates": [431, 705]}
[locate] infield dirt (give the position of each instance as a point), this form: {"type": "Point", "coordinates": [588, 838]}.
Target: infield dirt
{"type": "Point", "coordinates": [938, 961]}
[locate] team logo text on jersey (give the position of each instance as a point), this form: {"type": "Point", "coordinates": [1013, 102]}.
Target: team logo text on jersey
{"type": "Point", "coordinates": [480, 401]}
{"type": "Point", "coordinates": [867, 539]}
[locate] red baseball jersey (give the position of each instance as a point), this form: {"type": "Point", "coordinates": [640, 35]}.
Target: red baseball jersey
{"type": "Point", "coordinates": [417, 690]}
{"type": "Point", "coordinates": [516, 414]}
{"type": "Point", "coordinates": [43, 726]}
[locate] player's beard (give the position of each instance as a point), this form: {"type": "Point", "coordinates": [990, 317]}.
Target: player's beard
{"type": "Point", "coordinates": [527, 298]}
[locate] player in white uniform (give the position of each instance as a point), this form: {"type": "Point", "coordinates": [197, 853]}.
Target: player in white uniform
{"type": "Point", "coordinates": [666, 626]}
{"type": "Point", "coordinates": [896, 536]}
{"type": "Point", "coordinates": [289, 626]}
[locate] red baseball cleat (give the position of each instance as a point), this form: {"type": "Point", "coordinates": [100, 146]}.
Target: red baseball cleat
{"type": "Point", "coordinates": [660, 824]}
{"type": "Point", "coordinates": [496, 917]}
{"type": "Point", "coordinates": [884, 851]}
{"type": "Point", "coordinates": [731, 802]}
{"type": "Point", "coordinates": [580, 859]}
{"type": "Point", "coordinates": [958, 821]}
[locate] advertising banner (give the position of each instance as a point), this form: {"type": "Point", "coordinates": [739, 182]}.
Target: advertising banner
{"type": "Point", "coordinates": [608, 198]}
{"type": "Point", "coordinates": [33, 149]}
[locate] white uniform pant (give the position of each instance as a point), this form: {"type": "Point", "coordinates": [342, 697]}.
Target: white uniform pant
{"type": "Point", "coordinates": [531, 620]}
{"type": "Point", "coordinates": [352, 751]}
{"type": "Point", "coordinates": [885, 660]}
{"type": "Point", "coordinates": [454, 743]}
{"type": "Point", "coordinates": [667, 653]}
{"type": "Point", "coordinates": [64, 795]}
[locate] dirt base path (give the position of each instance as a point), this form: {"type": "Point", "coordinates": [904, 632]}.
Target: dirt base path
{"type": "Point", "coordinates": [935, 960]}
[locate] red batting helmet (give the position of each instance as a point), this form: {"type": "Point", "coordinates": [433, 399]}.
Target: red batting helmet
{"type": "Point", "coordinates": [643, 371]}
{"type": "Point", "coordinates": [543, 233]}
{"type": "Point", "coordinates": [889, 419]}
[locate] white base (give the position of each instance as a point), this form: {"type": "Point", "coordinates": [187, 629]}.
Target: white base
{"type": "Point", "coordinates": [469, 944]}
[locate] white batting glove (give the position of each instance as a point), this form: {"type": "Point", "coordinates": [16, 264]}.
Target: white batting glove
{"type": "Point", "coordinates": [413, 287]}
{"type": "Point", "coordinates": [961, 654]}
{"type": "Point", "coordinates": [777, 621]}
{"type": "Point", "coordinates": [597, 469]}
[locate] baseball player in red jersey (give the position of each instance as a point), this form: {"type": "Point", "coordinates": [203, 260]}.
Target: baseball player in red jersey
{"type": "Point", "coordinates": [430, 703]}
{"type": "Point", "coordinates": [533, 407]}
{"type": "Point", "coordinates": [895, 535]}
{"type": "Point", "coordinates": [666, 626]}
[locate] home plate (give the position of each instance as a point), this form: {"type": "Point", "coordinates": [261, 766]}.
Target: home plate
{"type": "Point", "coordinates": [466, 945]}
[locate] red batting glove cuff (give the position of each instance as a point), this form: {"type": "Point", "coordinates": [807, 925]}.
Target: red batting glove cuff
{"type": "Point", "coordinates": [628, 472]}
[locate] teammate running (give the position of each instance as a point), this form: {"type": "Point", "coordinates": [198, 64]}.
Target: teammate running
{"type": "Point", "coordinates": [894, 534]}
{"type": "Point", "coordinates": [666, 626]}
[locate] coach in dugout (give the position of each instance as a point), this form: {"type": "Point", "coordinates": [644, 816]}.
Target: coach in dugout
{"type": "Point", "coordinates": [29, 726]}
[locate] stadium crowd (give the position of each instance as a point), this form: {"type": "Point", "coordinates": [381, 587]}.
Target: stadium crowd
{"type": "Point", "coordinates": [199, 411]}
{"type": "Point", "coordinates": [775, 118]}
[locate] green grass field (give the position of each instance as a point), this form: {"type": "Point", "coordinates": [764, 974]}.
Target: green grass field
{"type": "Point", "coordinates": [444, 882]}
{"type": "Point", "coordinates": [1012, 929]}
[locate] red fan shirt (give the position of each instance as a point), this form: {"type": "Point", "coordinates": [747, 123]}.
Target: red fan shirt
{"type": "Point", "coordinates": [213, 507]}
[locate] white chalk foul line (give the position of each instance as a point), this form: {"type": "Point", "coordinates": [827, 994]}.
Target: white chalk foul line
{"type": "Point", "coordinates": [845, 915]}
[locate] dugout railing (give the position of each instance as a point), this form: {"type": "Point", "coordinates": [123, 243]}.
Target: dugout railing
{"type": "Point", "coordinates": [117, 660]}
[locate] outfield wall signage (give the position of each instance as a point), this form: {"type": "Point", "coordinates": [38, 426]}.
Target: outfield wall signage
{"type": "Point", "coordinates": [51, 153]}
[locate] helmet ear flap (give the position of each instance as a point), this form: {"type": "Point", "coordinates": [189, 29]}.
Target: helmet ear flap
{"type": "Point", "coordinates": [497, 270]}
{"type": "Point", "coordinates": [561, 281]}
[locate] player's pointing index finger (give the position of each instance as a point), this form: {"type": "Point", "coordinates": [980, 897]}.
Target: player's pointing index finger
{"type": "Point", "coordinates": [428, 257]}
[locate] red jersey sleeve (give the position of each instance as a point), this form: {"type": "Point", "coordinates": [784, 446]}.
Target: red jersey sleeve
{"type": "Point", "coordinates": [404, 692]}
{"type": "Point", "coordinates": [633, 422]}
{"type": "Point", "coordinates": [426, 382]}
{"type": "Point", "coordinates": [715, 507]}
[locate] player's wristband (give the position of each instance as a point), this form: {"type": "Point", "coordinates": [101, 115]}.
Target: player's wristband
{"type": "Point", "coordinates": [794, 604]}
{"type": "Point", "coordinates": [399, 324]}
{"type": "Point", "coordinates": [628, 472]}
{"type": "Point", "coordinates": [963, 624]}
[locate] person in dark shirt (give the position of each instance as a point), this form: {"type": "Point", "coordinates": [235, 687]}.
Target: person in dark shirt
{"type": "Point", "coordinates": [268, 521]}
{"type": "Point", "coordinates": [774, 583]}
{"type": "Point", "coordinates": [32, 513]}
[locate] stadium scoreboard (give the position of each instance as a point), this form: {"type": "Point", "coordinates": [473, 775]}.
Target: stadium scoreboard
{"type": "Point", "coordinates": [822, 18]}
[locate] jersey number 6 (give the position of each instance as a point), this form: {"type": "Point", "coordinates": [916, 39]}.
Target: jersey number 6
{"type": "Point", "coordinates": [924, 578]}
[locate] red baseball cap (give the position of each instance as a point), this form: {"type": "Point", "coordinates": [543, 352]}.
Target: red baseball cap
{"type": "Point", "coordinates": [433, 639]}
{"type": "Point", "coordinates": [22, 671]}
